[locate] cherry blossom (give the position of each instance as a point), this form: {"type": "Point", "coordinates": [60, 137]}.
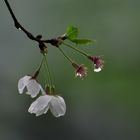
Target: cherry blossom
{"type": "Point", "coordinates": [30, 83]}
{"type": "Point", "coordinates": [80, 70]}
{"type": "Point", "coordinates": [41, 105]}
{"type": "Point", "coordinates": [98, 63]}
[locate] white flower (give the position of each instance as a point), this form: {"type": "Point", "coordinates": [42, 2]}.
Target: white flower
{"type": "Point", "coordinates": [56, 104]}
{"type": "Point", "coordinates": [33, 87]}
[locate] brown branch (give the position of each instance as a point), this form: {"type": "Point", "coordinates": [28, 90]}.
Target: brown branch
{"type": "Point", "coordinates": [55, 41]}
{"type": "Point", "coordinates": [18, 25]}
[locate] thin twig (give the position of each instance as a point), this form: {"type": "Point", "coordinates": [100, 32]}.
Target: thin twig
{"type": "Point", "coordinates": [37, 38]}
{"type": "Point", "coordinates": [18, 25]}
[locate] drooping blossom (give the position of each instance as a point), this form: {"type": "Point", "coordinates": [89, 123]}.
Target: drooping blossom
{"type": "Point", "coordinates": [98, 63]}
{"type": "Point", "coordinates": [80, 70]}
{"type": "Point", "coordinates": [41, 105]}
{"type": "Point", "coordinates": [31, 84]}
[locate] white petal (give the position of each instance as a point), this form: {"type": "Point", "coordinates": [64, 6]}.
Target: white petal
{"type": "Point", "coordinates": [41, 105]}
{"type": "Point", "coordinates": [22, 83]}
{"type": "Point", "coordinates": [57, 106]}
{"type": "Point", "coordinates": [44, 111]}
{"type": "Point", "coordinates": [42, 91]}
{"type": "Point", "coordinates": [33, 88]}
{"type": "Point", "coordinates": [97, 69]}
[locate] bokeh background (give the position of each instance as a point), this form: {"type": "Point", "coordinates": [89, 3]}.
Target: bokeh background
{"type": "Point", "coordinates": [104, 106]}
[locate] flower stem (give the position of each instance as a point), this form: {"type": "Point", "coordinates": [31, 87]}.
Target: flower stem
{"type": "Point", "coordinates": [45, 75]}
{"type": "Point", "coordinates": [78, 50]}
{"type": "Point", "coordinates": [48, 70]}
{"type": "Point", "coordinates": [40, 64]}
{"type": "Point", "coordinates": [38, 69]}
{"type": "Point", "coordinates": [67, 57]}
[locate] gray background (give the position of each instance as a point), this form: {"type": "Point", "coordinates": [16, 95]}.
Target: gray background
{"type": "Point", "coordinates": [104, 106]}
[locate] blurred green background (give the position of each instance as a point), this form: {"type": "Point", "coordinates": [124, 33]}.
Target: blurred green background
{"type": "Point", "coordinates": [104, 106]}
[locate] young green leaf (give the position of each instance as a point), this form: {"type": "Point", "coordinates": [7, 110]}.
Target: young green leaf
{"type": "Point", "coordinates": [72, 32]}
{"type": "Point", "coordinates": [83, 41]}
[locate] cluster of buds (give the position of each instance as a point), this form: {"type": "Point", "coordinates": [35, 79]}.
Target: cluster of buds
{"type": "Point", "coordinates": [71, 35]}
{"type": "Point", "coordinates": [49, 99]}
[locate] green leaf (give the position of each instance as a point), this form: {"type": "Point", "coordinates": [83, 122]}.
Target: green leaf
{"type": "Point", "coordinates": [83, 41]}
{"type": "Point", "coordinates": [72, 32]}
